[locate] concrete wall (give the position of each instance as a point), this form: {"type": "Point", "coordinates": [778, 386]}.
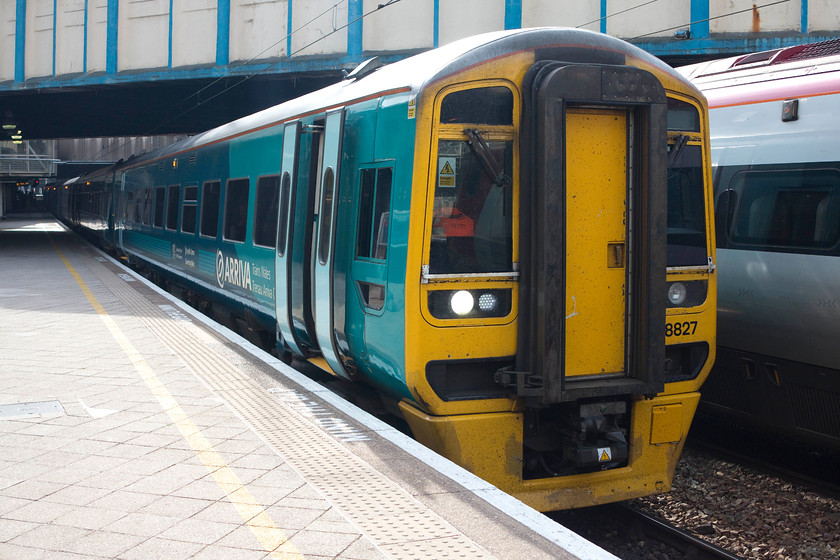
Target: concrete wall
{"type": "Point", "coordinates": [823, 15]}
{"type": "Point", "coordinates": [459, 19]}
{"type": "Point", "coordinates": [143, 34]}
{"type": "Point", "coordinates": [572, 13]}
{"type": "Point", "coordinates": [7, 41]}
{"type": "Point", "coordinates": [193, 32]}
{"type": "Point", "coordinates": [407, 25]}
{"type": "Point", "coordinates": [39, 38]}
{"type": "Point", "coordinates": [258, 29]}
{"type": "Point", "coordinates": [781, 17]}
{"type": "Point", "coordinates": [97, 34]}
{"type": "Point", "coordinates": [70, 36]}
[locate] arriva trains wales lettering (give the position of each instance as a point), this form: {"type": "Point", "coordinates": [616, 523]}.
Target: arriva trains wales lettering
{"type": "Point", "coordinates": [230, 270]}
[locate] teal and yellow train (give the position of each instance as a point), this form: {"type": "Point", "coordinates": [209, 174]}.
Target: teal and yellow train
{"type": "Point", "coordinates": [509, 237]}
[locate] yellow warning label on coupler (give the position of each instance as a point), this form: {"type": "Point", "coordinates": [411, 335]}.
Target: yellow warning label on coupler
{"type": "Point", "coordinates": [604, 454]}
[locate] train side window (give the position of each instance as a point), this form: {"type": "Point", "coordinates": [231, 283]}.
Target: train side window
{"type": "Point", "coordinates": [793, 208]}
{"type": "Point", "coordinates": [265, 210]}
{"type": "Point", "coordinates": [236, 209]}
{"type": "Point", "coordinates": [485, 105]}
{"type": "Point", "coordinates": [787, 209]}
{"type": "Point", "coordinates": [188, 209]}
{"type": "Point", "coordinates": [160, 200]}
{"type": "Point", "coordinates": [173, 201]}
{"type": "Point", "coordinates": [374, 213]}
{"type": "Point", "coordinates": [283, 228]}
{"type": "Point", "coordinates": [129, 206]}
{"type": "Point", "coordinates": [210, 208]}
{"type": "Point", "coordinates": [147, 206]}
{"type": "Point", "coordinates": [326, 215]}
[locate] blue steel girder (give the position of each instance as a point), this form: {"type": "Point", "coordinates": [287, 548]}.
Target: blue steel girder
{"type": "Point", "coordinates": [717, 47]}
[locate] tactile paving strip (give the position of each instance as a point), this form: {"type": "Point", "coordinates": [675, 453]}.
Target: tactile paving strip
{"type": "Point", "coordinates": [396, 522]}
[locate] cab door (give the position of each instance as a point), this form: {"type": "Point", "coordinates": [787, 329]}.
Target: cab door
{"type": "Point", "coordinates": [597, 252]}
{"type": "Point", "coordinates": [596, 241]}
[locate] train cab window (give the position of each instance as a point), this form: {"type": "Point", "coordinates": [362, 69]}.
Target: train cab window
{"type": "Point", "coordinates": [173, 201]}
{"type": "Point", "coordinates": [210, 194]}
{"type": "Point", "coordinates": [787, 209]}
{"type": "Point", "coordinates": [265, 210]}
{"type": "Point", "coordinates": [683, 116]}
{"type": "Point", "coordinates": [487, 105]}
{"type": "Point", "coordinates": [160, 200]}
{"type": "Point", "coordinates": [686, 204]}
{"type": "Point", "coordinates": [236, 209]}
{"type": "Point", "coordinates": [374, 213]}
{"type": "Point", "coordinates": [472, 227]}
{"type": "Point", "coordinates": [188, 209]}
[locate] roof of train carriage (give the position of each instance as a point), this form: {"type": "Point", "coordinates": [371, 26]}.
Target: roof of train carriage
{"type": "Point", "coordinates": [412, 74]}
{"type": "Point", "coordinates": [799, 71]}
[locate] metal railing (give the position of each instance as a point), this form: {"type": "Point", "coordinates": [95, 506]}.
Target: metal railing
{"type": "Point", "coordinates": [30, 159]}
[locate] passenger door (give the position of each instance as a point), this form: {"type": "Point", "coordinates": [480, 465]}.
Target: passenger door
{"type": "Point", "coordinates": [285, 219]}
{"type": "Point", "coordinates": [326, 292]}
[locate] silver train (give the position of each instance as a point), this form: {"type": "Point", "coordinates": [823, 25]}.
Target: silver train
{"type": "Point", "coordinates": [775, 132]}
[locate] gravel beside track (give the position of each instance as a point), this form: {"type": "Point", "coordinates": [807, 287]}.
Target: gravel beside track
{"type": "Point", "coordinates": [751, 514]}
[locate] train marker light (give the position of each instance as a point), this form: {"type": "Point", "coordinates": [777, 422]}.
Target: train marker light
{"type": "Point", "coordinates": [487, 302]}
{"type": "Point", "coordinates": [462, 303]}
{"type": "Point", "coordinates": [790, 110]}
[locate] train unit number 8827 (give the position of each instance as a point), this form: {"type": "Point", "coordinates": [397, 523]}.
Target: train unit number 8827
{"type": "Point", "coordinates": [509, 237]}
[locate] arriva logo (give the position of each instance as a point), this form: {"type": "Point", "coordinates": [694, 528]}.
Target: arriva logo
{"type": "Point", "coordinates": [230, 270]}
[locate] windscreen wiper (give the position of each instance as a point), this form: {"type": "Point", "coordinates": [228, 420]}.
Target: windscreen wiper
{"type": "Point", "coordinates": [480, 148]}
{"type": "Point", "coordinates": [679, 143]}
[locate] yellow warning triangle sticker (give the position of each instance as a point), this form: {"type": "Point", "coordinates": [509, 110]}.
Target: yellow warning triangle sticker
{"type": "Point", "coordinates": [604, 456]}
{"type": "Point", "coordinates": [447, 169]}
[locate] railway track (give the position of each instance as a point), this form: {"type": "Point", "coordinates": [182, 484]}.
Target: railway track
{"type": "Point", "coordinates": [632, 534]}
{"type": "Point", "coordinates": [682, 541]}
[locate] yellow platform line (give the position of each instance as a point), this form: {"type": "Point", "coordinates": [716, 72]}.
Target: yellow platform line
{"type": "Point", "coordinates": [252, 513]}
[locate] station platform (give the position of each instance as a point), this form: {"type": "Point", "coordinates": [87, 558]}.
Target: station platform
{"type": "Point", "coordinates": [134, 428]}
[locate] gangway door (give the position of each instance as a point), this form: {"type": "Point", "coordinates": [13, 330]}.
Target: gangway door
{"type": "Point", "coordinates": [593, 243]}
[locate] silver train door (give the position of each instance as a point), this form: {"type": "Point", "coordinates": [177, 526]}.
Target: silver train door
{"type": "Point", "coordinates": [285, 219]}
{"type": "Point", "coordinates": [323, 285]}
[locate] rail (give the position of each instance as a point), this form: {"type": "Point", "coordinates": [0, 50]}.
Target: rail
{"type": "Point", "coordinates": [679, 539]}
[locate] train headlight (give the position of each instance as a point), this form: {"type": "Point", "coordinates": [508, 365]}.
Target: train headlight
{"type": "Point", "coordinates": [677, 293]}
{"type": "Point", "coordinates": [462, 303]}
{"type": "Point", "coordinates": [470, 304]}
{"type": "Point", "coordinates": [688, 293]}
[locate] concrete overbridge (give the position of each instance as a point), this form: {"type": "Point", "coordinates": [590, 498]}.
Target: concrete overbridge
{"type": "Point", "coordinates": [87, 68]}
